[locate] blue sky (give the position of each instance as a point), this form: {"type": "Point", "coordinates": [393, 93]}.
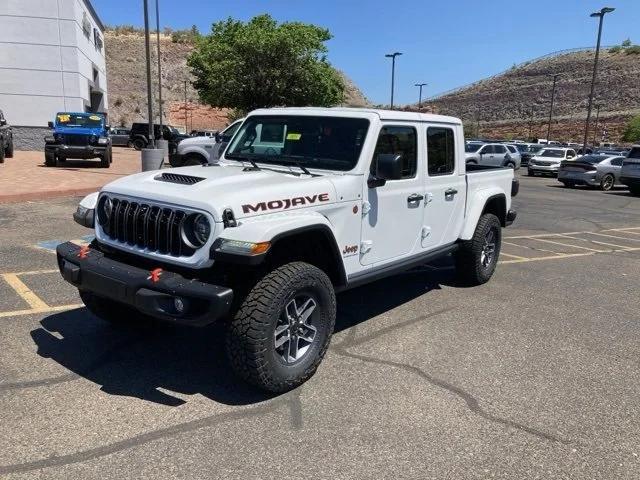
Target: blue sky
{"type": "Point", "coordinates": [445, 43]}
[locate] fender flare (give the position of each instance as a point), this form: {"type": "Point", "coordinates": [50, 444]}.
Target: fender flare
{"type": "Point", "coordinates": [478, 204]}
{"type": "Point", "coordinates": [197, 149]}
{"type": "Point", "coordinates": [274, 229]}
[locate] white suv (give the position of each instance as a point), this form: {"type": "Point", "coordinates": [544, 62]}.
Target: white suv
{"type": "Point", "coordinates": [548, 160]}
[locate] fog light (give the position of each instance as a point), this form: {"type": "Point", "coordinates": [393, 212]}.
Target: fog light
{"type": "Point", "coordinates": [179, 304]}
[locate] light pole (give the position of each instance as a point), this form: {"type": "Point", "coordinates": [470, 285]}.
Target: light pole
{"type": "Point", "coordinates": [595, 130]}
{"type": "Point", "coordinates": [147, 44]}
{"type": "Point", "coordinates": [420, 85]}
{"type": "Point", "coordinates": [159, 66]}
{"type": "Point", "coordinates": [600, 15]}
{"type": "Point", "coordinates": [186, 126]}
{"type": "Point", "coordinates": [393, 56]}
{"type": "Point", "coordinates": [553, 93]}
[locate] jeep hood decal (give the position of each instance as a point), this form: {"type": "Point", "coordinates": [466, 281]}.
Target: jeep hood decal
{"type": "Point", "coordinates": [247, 193]}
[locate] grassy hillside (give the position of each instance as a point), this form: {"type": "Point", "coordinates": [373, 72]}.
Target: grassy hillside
{"type": "Point", "coordinates": [508, 104]}
{"type": "Point", "coordinates": [125, 54]}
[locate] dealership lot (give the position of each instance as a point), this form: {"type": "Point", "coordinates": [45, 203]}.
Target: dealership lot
{"type": "Point", "coordinates": [532, 375]}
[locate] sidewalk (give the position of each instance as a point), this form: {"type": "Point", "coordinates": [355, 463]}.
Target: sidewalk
{"type": "Point", "coordinates": [24, 177]}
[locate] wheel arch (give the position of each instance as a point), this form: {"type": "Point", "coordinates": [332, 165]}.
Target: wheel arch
{"type": "Point", "coordinates": [487, 202]}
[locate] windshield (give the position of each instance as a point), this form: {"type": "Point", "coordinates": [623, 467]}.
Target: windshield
{"type": "Point", "coordinates": [522, 148]}
{"type": "Point", "coordinates": [329, 143]}
{"type": "Point", "coordinates": [535, 148]}
{"type": "Point", "coordinates": [552, 153]}
{"type": "Point", "coordinates": [472, 147]}
{"type": "Point", "coordinates": [79, 120]}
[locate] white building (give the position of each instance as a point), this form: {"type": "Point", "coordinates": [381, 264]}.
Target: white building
{"type": "Point", "coordinates": [52, 59]}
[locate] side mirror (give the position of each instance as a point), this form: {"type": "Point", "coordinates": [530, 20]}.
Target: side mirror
{"type": "Point", "coordinates": [50, 124]}
{"type": "Point", "coordinates": [107, 127]}
{"type": "Point", "coordinates": [388, 167]}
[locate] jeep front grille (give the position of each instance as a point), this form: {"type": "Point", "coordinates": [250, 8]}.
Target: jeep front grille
{"type": "Point", "coordinates": [76, 140]}
{"type": "Point", "coordinates": [157, 229]}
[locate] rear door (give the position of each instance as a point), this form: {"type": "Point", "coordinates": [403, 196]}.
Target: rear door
{"type": "Point", "coordinates": [445, 188]}
{"type": "Point", "coordinates": [499, 155]}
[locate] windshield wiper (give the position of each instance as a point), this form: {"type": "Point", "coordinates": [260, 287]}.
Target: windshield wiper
{"type": "Point", "coordinates": [294, 161]}
{"type": "Point", "coordinates": [243, 158]}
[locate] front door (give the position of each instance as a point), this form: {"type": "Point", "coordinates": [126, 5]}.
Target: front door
{"type": "Point", "coordinates": [445, 190]}
{"type": "Point", "coordinates": [391, 228]}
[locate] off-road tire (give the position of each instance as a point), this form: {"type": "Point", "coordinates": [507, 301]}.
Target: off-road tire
{"type": "Point", "coordinates": [139, 144]}
{"type": "Point", "coordinates": [112, 312]}
{"type": "Point", "coordinates": [50, 160]}
{"type": "Point", "coordinates": [9, 151]}
{"type": "Point", "coordinates": [105, 160]}
{"type": "Point", "coordinates": [469, 268]}
{"type": "Point", "coordinates": [250, 341]}
{"type": "Point", "coordinates": [2, 152]}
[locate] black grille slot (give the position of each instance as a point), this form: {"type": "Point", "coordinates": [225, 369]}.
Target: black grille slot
{"type": "Point", "coordinates": [77, 140]}
{"type": "Point", "coordinates": [147, 226]}
{"type": "Point", "coordinates": [181, 179]}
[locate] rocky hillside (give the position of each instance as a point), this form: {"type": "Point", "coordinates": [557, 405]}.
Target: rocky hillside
{"type": "Point", "coordinates": [127, 84]}
{"type": "Point", "coordinates": [517, 102]}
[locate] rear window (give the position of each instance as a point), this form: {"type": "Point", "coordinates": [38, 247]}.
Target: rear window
{"type": "Point", "coordinates": [593, 159]}
{"type": "Point", "coordinates": [547, 152]}
{"type": "Point", "coordinates": [512, 149]}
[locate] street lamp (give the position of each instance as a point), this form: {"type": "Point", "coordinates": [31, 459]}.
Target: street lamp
{"type": "Point", "coordinates": [159, 65]}
{"type": "Point", "coordinates": [595, 130]}
{"type": "Point", "coordinates": [553, 93]}
{"type": "Point", "coordinates": [147, 44]}
{"type": "Point", "coordinates": [420, 85]}
{"type": "Point", "coordinates": [393, 56]}
{"type": "Point", "coordinates": [599, 15]}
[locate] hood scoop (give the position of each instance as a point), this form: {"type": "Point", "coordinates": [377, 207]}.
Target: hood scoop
{"type": "Point", "coordinates": [177, 178]}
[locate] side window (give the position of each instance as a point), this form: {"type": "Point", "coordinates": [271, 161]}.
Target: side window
{"type": "Point", "coordinates": [486, 149]}
{"type": "Point", "coordinates": [617, 162]}
{"type": "Point", "coordinates": [441, 157]}
{"type": "Point", "coordinates": [499, 149]}
{"type": "Point", "coordinates": [398, 141]}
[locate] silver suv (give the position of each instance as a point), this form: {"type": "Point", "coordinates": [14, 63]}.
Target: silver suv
{"type": "Point", "coordinates": [630, 174]}
{"type": "Point", "coordinates": [490, 154]}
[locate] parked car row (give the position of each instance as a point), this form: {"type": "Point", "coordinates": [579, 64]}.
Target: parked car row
{"type": "Point", "coordinates": [6, 139]}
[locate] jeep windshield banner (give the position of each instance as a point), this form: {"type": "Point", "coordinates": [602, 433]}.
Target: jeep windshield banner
{"type": "Point", "coordinates": [79, 120]}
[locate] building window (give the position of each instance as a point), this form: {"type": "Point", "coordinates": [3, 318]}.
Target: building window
{"type": "Point", "coordinates": [86, 25]}
{"type": "Point", "coordinates": [97, 39]}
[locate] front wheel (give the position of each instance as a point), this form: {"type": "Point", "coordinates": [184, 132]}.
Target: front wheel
{"type": "Point", "coordinates": [9, 151]}
{"type": "Point", "coordinates": [105, 160]}
{"type": "Point", "coordinates": [531, 173]}
{"type": "Point", "coordinates": [139, 144]}
{"type": "Point", "coordinates": [510, 165]}
{"type": "Point", "coordinates": [50, 159]}
{"type": "Point", "coordinates": [283, 328]}
{"type": "Point", "coordinates": [477, 258]}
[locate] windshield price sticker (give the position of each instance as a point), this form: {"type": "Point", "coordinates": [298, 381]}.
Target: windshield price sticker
{"type": "Point", "coordinates": [64, 118]}
{"type": "Point", "coordinates": [294, 136]}
{"type": "Point", "coordinates": [95, 117]}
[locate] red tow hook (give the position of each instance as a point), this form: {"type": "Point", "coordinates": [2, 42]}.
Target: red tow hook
{"type": "Point", "coordinates": [155, 275]}
{"type": "Point", "coordinates": [84, 251]}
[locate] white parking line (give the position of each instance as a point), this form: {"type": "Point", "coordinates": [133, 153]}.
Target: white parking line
{"type": "Point", "coordinates": [598, 242]}
{"type": "Point", "coordinates": [569, 246]}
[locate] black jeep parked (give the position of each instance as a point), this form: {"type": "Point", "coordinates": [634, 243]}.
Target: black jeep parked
{"type": "Point", "coordinates": [140, 136]}
{"type": "Point", "coordinates": [6, 139]}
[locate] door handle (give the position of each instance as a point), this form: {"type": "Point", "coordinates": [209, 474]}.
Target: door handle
{"type": "Point", "coordinates": [415, 198]}
{"type": "Point", "coordinates": [450, 192]}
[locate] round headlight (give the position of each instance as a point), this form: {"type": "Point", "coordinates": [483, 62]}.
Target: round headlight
{"type": "Point", "coordinates": [196, 230]}
{"type": "Point", "coordinates": [105, 210]}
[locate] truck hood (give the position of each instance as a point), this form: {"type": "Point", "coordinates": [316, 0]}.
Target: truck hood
{"type": "Point", "coordinates": [79, 131]}
{"type": "Point", "coordinates": [198, 141]}
{"type": "Point", "coordinates": [218, 187]}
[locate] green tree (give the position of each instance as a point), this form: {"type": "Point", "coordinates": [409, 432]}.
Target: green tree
{"type": "Point", "coordinates": [632, 131]}
{"type": "Point", "coordinates": [264, 64]}
{"type": "Point", "coordinates": [626, 43]}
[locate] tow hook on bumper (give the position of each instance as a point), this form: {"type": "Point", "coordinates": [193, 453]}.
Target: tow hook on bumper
{"type": "Point", "coordinates": [511, 217]}
{"type": "Point", "coordinates": [168, 296]}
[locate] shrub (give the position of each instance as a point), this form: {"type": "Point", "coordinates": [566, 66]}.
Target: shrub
{"type": "Point", "coordinates": [634, 50]}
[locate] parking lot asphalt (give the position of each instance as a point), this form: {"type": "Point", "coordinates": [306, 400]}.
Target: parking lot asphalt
{"type": "Point", "coordinates": [533, 375]}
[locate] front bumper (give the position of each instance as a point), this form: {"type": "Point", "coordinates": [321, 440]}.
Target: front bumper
{"type": "Point", "coordinates": [544, 168]}
{"type": "Point", "coordinates": [579, 178]}
{"type": "Point", "coordinates": [66, 151]}
{"type": "Point", "coordinates": [154, 295]}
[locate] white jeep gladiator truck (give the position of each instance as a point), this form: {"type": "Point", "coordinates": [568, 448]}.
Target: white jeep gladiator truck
{"type": "Point", "coordinates": [304, 203]}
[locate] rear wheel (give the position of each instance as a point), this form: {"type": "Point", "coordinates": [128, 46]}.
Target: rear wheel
{"type": "Point", "coordinates": [2, 154]}
{"type": "Point", "coordinates": [283, 328]}
{"type": "Point", "coordinates": [477, 258]}
{"type": "Point", "coordinates": [139, 144]}
{"type": "Point", "coordinates": [607, 182]}
{"type": "Point", "coordinates": [510, 165]}
{"type": "Point", "coordinates": [105, 160]}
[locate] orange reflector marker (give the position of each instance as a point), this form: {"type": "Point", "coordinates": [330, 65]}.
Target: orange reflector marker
{"type": "Point", "coordinates": [260, 248]}
{"type": "Point", "coordinates": [84, 251]}
{"type": "Point", "coordinates": [155, 275]}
